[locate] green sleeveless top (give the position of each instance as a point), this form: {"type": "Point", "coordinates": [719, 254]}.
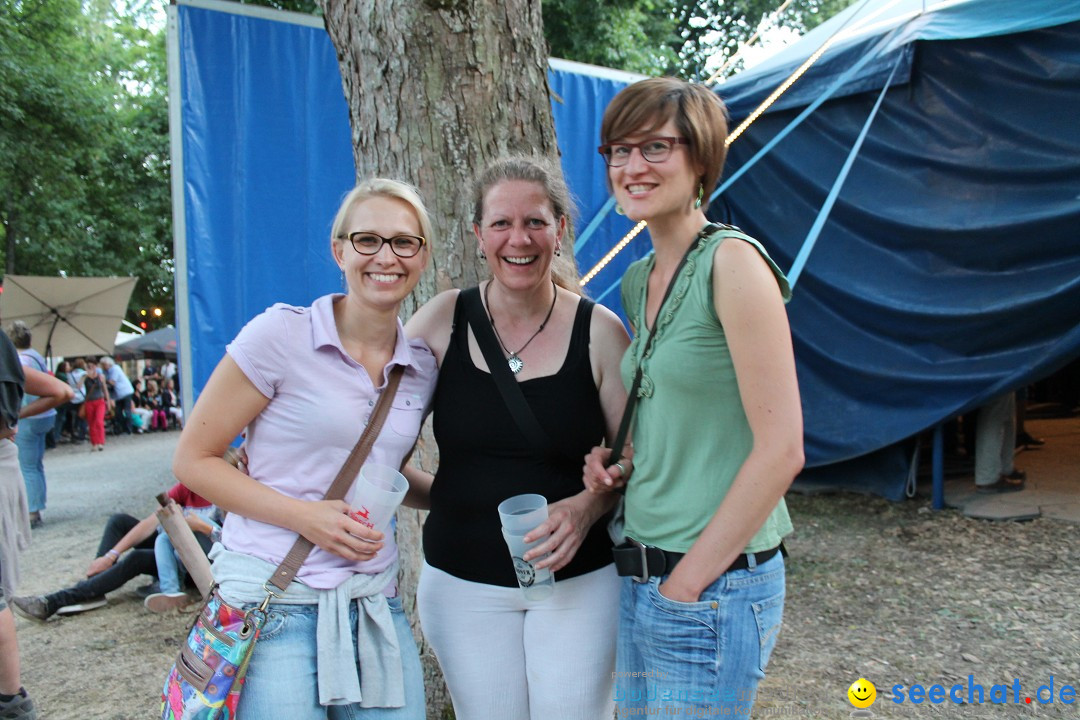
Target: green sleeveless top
{"type": "Point", "coordinates": [690, 434]}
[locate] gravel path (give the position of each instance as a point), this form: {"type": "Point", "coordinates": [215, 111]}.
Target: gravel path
{"type": "Point", "coordinates": [891, 592]}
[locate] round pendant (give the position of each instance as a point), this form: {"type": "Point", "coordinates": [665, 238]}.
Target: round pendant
{"type": "Point", "coordinates": [515, 364]}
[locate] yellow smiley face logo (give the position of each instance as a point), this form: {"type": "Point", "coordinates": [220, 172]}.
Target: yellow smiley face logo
{"type": "Point", "coordinates": [862, 693]}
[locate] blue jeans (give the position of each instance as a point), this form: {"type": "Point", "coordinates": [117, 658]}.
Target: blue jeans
{"type": "Point", "coordinates": [170, 570]}
{"type": "Point", "coordinates": [282, 680]}
{"type": "Point", "coordinates": [31, 442]}
{"type": "Point", "coordinates": [168, 564]}
{"type": "Point", "coordinates": [708, 654]}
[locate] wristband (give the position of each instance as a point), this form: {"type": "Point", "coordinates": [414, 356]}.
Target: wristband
{"type": "Point", "coordinates": [113, 554]}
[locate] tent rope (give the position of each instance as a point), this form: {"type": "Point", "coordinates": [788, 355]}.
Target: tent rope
{"type": "Point", "coordinates": [760, 110]}
{"type": "Point", "coordinates": [834, 191]}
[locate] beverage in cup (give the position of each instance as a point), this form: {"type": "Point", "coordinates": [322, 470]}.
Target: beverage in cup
{"type": "Point", "coordinates": [376, 495]}
{"type": "Point", "coordinates": [520, 515]}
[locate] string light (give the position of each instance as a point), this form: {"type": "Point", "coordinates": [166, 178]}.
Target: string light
{"type": "Point", "coordinates": [768, 102]}
{"type": "Point", "coordinates": [612, 253]}
{"type": "Point", "coordinates": [758, 112]}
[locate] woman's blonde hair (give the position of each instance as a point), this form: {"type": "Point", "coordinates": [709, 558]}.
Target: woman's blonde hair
{"type": "Point", "coordinates": [382, 187]}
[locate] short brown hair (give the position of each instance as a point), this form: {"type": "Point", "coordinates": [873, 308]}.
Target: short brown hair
{"type": "Point", "coordinates": [698, 113]}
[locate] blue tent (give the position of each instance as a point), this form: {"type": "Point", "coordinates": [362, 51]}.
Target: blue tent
{"type": "Point", "coordinates": [922, 182]}
{"type": "Point", "coordinates": [262, 155]}
{"type": "Point", "coordinates": [944, 269]}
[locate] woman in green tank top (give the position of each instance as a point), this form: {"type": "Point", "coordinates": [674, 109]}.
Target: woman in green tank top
{"type": "Point", "coordinates": [717, 435]}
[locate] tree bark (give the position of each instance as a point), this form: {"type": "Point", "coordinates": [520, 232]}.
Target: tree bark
{"type": "Point", "coordinates": [437, 89]}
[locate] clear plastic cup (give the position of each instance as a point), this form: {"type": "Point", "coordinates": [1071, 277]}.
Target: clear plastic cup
{"type": "Point", "coordinates": [376, 495]}
{"type": "Point", "coordinates": [519, 516]}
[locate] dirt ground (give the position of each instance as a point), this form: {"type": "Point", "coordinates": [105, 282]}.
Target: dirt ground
{"type": "Point", "coordinates": [892, 592]}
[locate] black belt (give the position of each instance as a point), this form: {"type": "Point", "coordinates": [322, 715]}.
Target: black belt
{"type": "Point", "coordinates": [641, 562]}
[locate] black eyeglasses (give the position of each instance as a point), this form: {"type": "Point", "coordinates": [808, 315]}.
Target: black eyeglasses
{"type": "Point", "coordinates": [369, 243]}
{"type": "Point", "coordinates": [654, 150]}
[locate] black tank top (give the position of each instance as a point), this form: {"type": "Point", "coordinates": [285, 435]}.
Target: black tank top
{"type": "Point", "coordinates": [484, 458]}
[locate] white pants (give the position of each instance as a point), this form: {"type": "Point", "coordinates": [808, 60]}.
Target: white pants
{"type": "Point", "coordinates": [508, 658]}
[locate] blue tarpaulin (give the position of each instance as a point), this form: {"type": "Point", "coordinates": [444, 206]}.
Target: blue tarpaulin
{"type": "Point", "coordinates": [262, 155]}
{"type": "Point", "coordinates": [948, 270]}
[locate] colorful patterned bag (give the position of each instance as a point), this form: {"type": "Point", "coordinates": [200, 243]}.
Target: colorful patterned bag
{"type": "Point", "coordinates": [205, 681]}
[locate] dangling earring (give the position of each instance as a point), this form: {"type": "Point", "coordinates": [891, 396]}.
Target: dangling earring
{"type": "Point", "coordinates": [558, 252]}
{"type": "Point", "coordinates": [482, 255]}
{"type": "Point", "coordinates": [619, 210]}
{"type": "Point", "coordinates": [344, 283]}
{"type": "Point", "coordinates": [700, 195]}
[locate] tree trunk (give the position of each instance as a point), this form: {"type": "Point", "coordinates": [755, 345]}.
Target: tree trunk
{"type": "Point", "coordinates": [436, 90]}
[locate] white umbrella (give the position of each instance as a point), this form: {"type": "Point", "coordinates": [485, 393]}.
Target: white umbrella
{"type": "Point", "coordinates": [68, 316]}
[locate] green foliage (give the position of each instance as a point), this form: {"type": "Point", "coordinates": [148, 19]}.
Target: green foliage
{"type": "Point", "coordinates": [667, 37]}
{"type": "Point", "coordinates": [84, 166]}
{"type": "Point", "coordinates": [630, 35]}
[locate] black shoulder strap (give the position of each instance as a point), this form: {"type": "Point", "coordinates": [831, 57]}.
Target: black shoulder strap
{"type": "Point", "coordinates": [632, 397]}
{"type": "Point", "coordinates": [500, 371]}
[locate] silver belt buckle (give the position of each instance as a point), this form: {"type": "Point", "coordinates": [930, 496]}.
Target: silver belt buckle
{"type": "Point", "coordinates": [644, 562]}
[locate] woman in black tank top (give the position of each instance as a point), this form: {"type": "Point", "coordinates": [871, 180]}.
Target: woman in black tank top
{"type": "Point", "coordinates": [563, 352]}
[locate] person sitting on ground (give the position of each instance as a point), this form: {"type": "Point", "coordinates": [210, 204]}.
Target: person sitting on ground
{"type": "Point", "coordinates": [160, 420]}
{"type": "Point", "coordinates": [141, 413]}
{"type": "Point", "coordinates": [205, 522]}
{"type": "Point", "coordinates": [170, 403]}
{"type": "Point", "coordinates": [125, 552]}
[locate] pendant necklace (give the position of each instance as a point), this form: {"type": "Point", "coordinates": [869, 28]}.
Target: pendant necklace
{"type": "Point", "coordinates": [514, 361]}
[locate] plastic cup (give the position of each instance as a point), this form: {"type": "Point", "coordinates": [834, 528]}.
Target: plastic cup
{"type": "Point", "coordinates": [377, 493]}
{"type": "Point", "coordinates": [522, 513]}
{"type": "Point", "coordinates": [519, 516]}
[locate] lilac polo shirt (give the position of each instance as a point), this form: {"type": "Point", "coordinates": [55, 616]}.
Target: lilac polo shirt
{"type": "Point", "coordinates": [320, 402]}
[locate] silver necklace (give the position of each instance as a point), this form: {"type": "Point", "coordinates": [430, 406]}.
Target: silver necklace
{"type": "Point", "coordinates": [514, 360]}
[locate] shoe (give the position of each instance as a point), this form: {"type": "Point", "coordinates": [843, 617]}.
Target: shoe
{"type": "Point", "coordinates": [76, 608]}
{"type": "Point", "coordinates": [101, 448]}
{"type": "Point", "coordinates": [19, 707]}
{"type": "Point", "coordinates": [1016, 476]}
{"type": "Point", "coordinates": [32, 607]}
{"type": "Point", "coordinates": [145, 591]}
{"type": "Point", "coordinates": [1027, 440]}
{"type": "Point", "coordinates": [166, 602]}
{"type": "Point", "coordinates": [36, 520]}
{"type": "Point", "coordinates": [1003, 485]}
